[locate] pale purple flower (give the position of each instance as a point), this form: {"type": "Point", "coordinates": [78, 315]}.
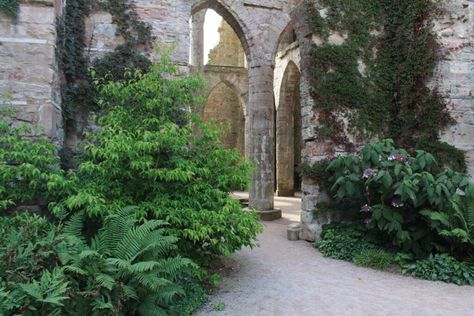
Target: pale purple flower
{"type": "Point", "coordinates": [367, 221]}
{"type": "Point", "coordinates": [366, 209]}
{"type": "Point", "coordinates": [396, 157]}
{"type": "Point", "coordinates": [368, 173]}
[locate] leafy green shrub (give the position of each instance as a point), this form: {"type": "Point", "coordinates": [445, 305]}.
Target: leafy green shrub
{"type": "Point", "coordinates": [127, 268]}
{"type": "Point", "coordinates": [147, 154]}
{"type": "Point", "coordinates": [30, 282]}
{"type": "Point", "coordinates": [374, 258]}
{"type": "Point", "coordinates": [27, 247]}
{"type": "Point", "coordinates": [346, 241]}
{"type": "Point", "coordinates": [29, 168]}
{"type": "Point", "coordinates": [392, 188]}
{"type": "Point", "coordinates": [441, 267]}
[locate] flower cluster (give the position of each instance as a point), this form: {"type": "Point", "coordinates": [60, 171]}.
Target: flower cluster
{"type": "Point", "coordinates": [369, 173]}
{"type": "Point", "coordinates": [366, 209]}
{"type": "Point", "coordinates": [396, 157]}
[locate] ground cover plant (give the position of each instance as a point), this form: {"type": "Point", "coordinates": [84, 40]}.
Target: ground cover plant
{"type": "Point", "coordinates": [424, 211]}
{"type": "Point", "coordinates": [130, 230]}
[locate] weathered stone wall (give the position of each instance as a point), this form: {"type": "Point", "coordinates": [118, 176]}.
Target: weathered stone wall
{"type": "Point", "coordinates": [28, 70]}
{"type": "Point", "coordinates": [29, 80]}
{"type": "Point", "coordinates": [455, 79]}
{"type": "Point", "coordinates": [229, 51]}
{"type": "Point", "coordinates": [223, 106]}
{"type": "Point", "coordinates": [455, 76]}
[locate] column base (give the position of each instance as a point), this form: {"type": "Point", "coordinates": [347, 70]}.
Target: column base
{"type": "Point", "coordinates": [270, 215]}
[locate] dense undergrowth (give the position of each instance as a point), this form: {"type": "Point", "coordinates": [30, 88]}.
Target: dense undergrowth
{"type": "Point", "coordinates": [405, 207]}
{"type": "Point", "coordinates": [129, 232]}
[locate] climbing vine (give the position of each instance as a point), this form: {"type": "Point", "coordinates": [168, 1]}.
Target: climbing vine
{"type": "Point", "coordinates": [78, 91]}
{"type": "Point", "coordinates": [10, 8]}
{"type": "Point", "coordinates": [373, 66]}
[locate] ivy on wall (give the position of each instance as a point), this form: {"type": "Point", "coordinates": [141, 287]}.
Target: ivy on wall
{"type": "Point", "coordinates": [78, 91]}
{"type": "Point", "coordinates": [373, 66]}
{"type": "Point", "coordinates": [10, 8]}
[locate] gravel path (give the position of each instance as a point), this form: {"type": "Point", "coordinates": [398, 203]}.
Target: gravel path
{"type": "Point", "coordinates": [292, 278]}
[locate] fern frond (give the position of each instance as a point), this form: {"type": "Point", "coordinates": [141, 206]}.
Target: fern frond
{"type": "Point", "coordinates": [134, 240]}
{"type": "Point", "coordinates": [152, 281]}
{"type": "Point", "coordinates": [75, 225]}
{"type": "Point", "coordinates": [105, 281]}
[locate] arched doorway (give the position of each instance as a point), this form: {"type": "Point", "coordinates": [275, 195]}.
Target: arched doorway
{"type": "Point", "coordinates": [223, 107]}
{"type": "Point", "coordinates": [289, 139]}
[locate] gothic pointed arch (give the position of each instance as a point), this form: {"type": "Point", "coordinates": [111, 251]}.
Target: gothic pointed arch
{"type": "Point", "coordinates": [289, 140]}
{"type": "Point", "coordinates": [224, 107]}
{"type": "Point", "coordinates": [230, 16]}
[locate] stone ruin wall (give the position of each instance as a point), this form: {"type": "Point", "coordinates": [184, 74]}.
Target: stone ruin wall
{"type": "Point", "coordinates": [454, 78]}
{"type": "Point", "coordinates": [29, 73]}
{"type": "Point", "coordinates": [29, 80]}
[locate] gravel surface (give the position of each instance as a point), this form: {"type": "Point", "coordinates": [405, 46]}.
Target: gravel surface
{"type": "Point", "coordinates": [292, 278]}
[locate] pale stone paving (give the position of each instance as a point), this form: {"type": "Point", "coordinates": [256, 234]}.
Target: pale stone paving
{"type": "Point", "coordinates": [292, 278]}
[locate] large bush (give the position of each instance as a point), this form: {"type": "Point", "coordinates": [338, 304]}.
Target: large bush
{"type": "Point", "coordinates": [402, 196]}
{"type": "Point", "coordinates": [152, 153]}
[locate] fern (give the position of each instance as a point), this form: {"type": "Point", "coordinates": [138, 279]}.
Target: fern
{"type": "Point", "coordinates": [457, 225]}
{"type": "Point", "coordinates": [121, 267]}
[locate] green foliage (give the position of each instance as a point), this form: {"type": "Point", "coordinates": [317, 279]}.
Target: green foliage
{"type": "Point", "coordinates": [441, 267]}
{"type": "Point", "coordinates": [27, 244]}
{"type": "Point", "coordinates": [10, 8]}
{"type": "Point", "coordinates": [127, 268]}
{"type": "Point", "coordinates": [392, 188]}
{"type": "Point", "coordinates": [318, 173]}
{"type": "Point", "coordinates": [445, 154]}
{"type": "Point", "coordinates": [28, 253]}
{"type": "Point", "coordinates": [390, 97]}
{"type": "Point", "coordinates": [346, 241]}
{"type": "Point", "coordinates": [457, 225]}
{"type": "Point", "coordinates": [219, 307]}
{"type": "Point", "coordinates": [148, 154]}
{"type": "Point", "coordinates": [79, 93]}
{"type": "Point", "coordinates": [374, 258]}
{"type": "Point", "coordinates": [115, 65]}
{"type": "Point", "coordinates": [28, 167]}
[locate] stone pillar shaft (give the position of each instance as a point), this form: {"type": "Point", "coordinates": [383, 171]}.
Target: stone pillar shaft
{"type": "Point", "coordinates": [197, 53]}
{"type": "Point", "coordinates": [261, 136]}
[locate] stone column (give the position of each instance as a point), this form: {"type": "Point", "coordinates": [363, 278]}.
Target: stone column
{"type": "Point", "coordinates": [261, 140]}
{"type": "Point", "coordinates": [197, 53]}
{"type": "Point", "coordinates": [285, 147]}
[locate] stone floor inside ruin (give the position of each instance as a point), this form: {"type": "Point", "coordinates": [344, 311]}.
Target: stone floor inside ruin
{"type": "Point", "coordinates": [292, 278]}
